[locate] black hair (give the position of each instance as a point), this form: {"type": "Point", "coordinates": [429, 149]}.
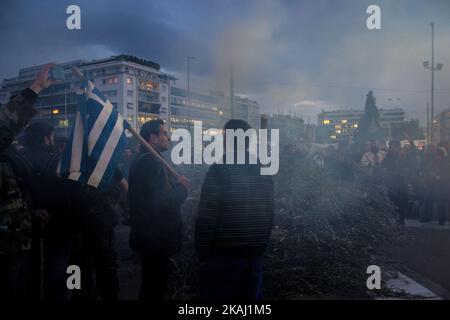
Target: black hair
{"type": "Point", "coordinates": [151, 127]}
{"type": "Point", "coordinates": [237, 124]}
{"type": "Point", "coordinates": [35, 132]}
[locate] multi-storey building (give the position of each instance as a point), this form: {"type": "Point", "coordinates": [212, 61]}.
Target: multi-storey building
{"type": "Point", "coordinates": [186, 108]}
{"type": "Point", "coordinates": [248, 110]}
{"type": "Point", "coordinates": [213, 109]}
{"type": "Point", "coordinates": [58, 103]}
{"type": "Point", "coordinates": [388, 117]}
{"type": "Point", "coordinates": [441, 126]}
{"type": "Point", "coordinates": [136, 88]}
{"type": "Point", "coordinates": [340, 125]}
{"type": "Point", "coordinates": [292, 129]}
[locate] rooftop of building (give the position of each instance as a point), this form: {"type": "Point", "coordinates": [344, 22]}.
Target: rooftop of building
{"type": "Point", "coordinates": [24, 72]}
{"type": "Point", "coordinates": [282, 116]}
{"type": "Point", "coordinates": [128, 58]}
{"type": "Point", "coordinates": [361, 110]}
{"type": "Point", "coordinates": [443, 113]}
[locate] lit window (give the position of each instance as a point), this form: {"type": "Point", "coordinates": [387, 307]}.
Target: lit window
{"type": "Point", "coordinates": [333, 137]}
{"type": "Point", "coordinates": [344, 121]}
{"type": "Point", "coordinates": [326, 121]}
{"type": "Point", "coordinates": [129, 80]}
{"type": "Point", "coordinates": [112, 80]}
{"type": "Point", "coordinates": [64, 123]}
{"type": "Point", "coordinates": [55, 111]}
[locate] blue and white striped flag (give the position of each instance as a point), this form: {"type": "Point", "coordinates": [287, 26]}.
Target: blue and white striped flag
{"type": "Point", "coordinates": [98, 140]}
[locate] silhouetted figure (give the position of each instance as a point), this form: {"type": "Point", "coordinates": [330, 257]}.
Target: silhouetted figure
{"type": "Point", "coordinates": [233, 227]}
{"type": "Point", "coordinates": [155, 220]}
{"type": "Point", "coordinates": [396, 180]}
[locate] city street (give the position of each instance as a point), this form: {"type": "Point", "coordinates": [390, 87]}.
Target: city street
{"type": "Point", "coordinates": [425, 256]}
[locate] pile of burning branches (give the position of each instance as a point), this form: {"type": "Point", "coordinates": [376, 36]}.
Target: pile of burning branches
{"type": "Point", "coordinates": [327, 231]}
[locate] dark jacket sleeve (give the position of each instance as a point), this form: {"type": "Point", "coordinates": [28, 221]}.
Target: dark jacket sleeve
{"type": "Point", "coordinates": [178, 195]}
{"type": "Point", "coordinates": [208, 215]}
{"type": "Point", "coordinates": [15, 115]}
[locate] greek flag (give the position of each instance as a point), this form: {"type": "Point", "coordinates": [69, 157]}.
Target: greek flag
{"type": "Point", "coordinates": [98, 140]}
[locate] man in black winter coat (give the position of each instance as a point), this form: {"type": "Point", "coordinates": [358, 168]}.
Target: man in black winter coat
{"type": "Point", "coordinates": [155, 199]}
{"type": "Point", "coordinates": [233, 227]}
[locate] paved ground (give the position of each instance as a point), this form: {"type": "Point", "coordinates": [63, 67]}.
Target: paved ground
{"type": "Point", "coordinates": [425, 256]}
{"type": "Point", "coordinates": [408, 288]}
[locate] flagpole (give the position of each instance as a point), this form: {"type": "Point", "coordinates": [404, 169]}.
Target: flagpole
{"type": "Point", "coordinates": [139, 138]}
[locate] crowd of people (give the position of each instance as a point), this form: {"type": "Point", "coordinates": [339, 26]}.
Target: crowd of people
{"type": "Point", "coordinates": [416, 180]}
{"type": "Point", "coordinates": [48, 222]}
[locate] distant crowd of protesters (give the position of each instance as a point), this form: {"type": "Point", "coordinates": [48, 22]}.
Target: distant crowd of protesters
{"type": "Point", "coordinates": [416, 180]}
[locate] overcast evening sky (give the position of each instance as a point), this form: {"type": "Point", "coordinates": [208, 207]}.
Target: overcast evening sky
{"type": "Point", "coordinates": [289, 55]}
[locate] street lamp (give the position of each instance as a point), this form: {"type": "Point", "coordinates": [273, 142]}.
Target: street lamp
{"type": "Point", "coordinates": [433, 68]}
{"type": "Point", "coordinates": [189, 58]}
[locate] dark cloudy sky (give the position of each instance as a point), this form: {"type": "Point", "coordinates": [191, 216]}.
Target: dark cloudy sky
{"type": "Point", "coordinates": [290, 55]}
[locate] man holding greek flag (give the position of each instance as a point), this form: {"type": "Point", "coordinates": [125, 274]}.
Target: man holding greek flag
{"type": "Point", "coordinates": [98, 139]}
{"type": "Point", "coordinates": [91, 160]}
